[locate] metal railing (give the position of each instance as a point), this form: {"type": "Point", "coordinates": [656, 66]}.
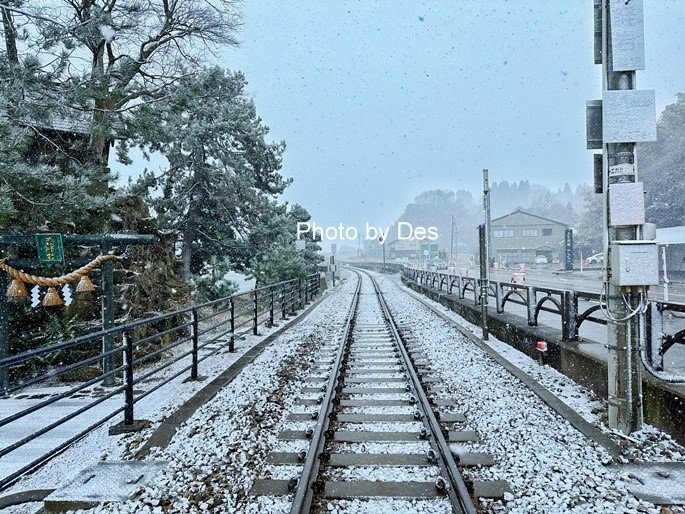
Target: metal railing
{"type": "Point", "coordinates": [177, 342]}
{"type": "Point", "coordinates": [375, 265]}
{"type": "Point", "coordinates": [562, 302]}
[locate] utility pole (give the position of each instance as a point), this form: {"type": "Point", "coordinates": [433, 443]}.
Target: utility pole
{"type": "Point", "coordinates": [452, 239]}
{"type": "Point", "coordinates": [484, 240]}
{"type": "Point", "coordinates": [486, 208]}
{"type": "Point", "coordinates": [622, 118]}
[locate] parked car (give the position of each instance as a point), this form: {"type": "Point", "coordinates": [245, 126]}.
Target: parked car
{"type": "Point", "coordinates": [436, 264]}
{"type": "Point", "coordinates": [597, 258]}
{"type": "Point", "coordinates": [518, 277]}
{"type": "Point", "coordinates": [540, 259]}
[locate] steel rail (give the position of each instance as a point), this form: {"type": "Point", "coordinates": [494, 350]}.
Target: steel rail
{"type": "Point", "coordinates": [457, 491]}
{"type": "Point", "coordinates": [304, 494]}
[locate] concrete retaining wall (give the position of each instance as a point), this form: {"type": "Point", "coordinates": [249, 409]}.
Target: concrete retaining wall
{"type": "Point", "coordinates": [664, 404]}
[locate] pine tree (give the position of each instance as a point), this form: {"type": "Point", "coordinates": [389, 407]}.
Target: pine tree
{"type": "Point", "coordinates": [662, 167]}
{"type": "Point", "coordinates": [97, 62]}
{"type": "Point", "coordinates": [222, 175]}
{"type": "Point", "coordinates": [36, 193]}
{"type": "Point", "coordinates": [590, 228]}
{"type": "Point", "coordinates": [273, 243]}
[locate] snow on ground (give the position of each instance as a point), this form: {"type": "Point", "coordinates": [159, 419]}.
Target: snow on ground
{"type": "Point", "coordinates": [550, 466]}
{"type": "Point", "coordinates": [215, 456]}
{"type": "Point", "coordinates": [98, 445]}
{"type": "Point", "coordinates": [649, 444]}
{"type": "Point", "coordinates": [214, 358]}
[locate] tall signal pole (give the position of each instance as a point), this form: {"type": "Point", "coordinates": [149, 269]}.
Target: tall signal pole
{"type": "Point", "coordinates": [486, 207]}
{"type": "Point", "coordinates": [484, 240]}
{"type": "Point", "coordinates": [622, 118]}
{"type": "Point", "coordinates": [452, 239]}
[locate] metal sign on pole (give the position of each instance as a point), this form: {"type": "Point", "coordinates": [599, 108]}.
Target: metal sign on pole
{"type": "Point", "coordinates": [332, 268]}
{"type": "Point", "coordinates": [50, 248]}
{"type": "Point", "coordinates": [486, 208]}
{"type": "Point", "coordinates": [568, 249]}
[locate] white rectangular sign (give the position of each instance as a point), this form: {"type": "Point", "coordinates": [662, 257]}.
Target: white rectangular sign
{"type": "Point", "coordinates": [628, 116]}
{"type": "Point", "coordinates": [627, 35]}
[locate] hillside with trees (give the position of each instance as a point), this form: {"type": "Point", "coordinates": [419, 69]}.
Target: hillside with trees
{"type": "Point", "coordinates": [661, 166]}
{"type": "Point", "coordinates": [436, 208]}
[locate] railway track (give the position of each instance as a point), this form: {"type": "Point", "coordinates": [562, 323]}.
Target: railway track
{"type": "Point", "coordinates": [375, 429]}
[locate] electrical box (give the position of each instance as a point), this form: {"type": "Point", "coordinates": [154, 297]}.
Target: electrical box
{"type": "Point", "coordinates": [593, 124]}
{"type": "Point", "coordinates": [649, 231]}
{"type": "Point", "coordinates": [628, 116]}
{"type": "Point", "coordinates": [634, 263]}
{"type": "Point", "coordinates": [626, 204]}
{"type": "Point", "coordinates": [599, 173]}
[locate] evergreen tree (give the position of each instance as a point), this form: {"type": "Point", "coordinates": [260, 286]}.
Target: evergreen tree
{"type": "Point", "coordinates": [273, 243]}
{"type": "Point", "coordinates": [108, 55]}
{"type": "Point", "coordinates": [662, 168]}
{"type": "Point", "coordinates": [436, 208]}
{"type": "Point", "coordinates": [547, 205]}
{"type": "Point", "coordinates": [222, 175]}
{"type": "Point", "coordinates": [96, 63]}
{"type": "Point", "coordinates": [35, 192]}
{"type": "Point", "coordinates": [590, 227]}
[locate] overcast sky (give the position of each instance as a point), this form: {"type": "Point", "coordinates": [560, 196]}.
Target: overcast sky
{"type": "Point", "coordinates": [380, 100]}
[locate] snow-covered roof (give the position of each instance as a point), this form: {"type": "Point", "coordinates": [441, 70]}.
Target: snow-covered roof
{"type": "Point", "coordinates": [69, 119]}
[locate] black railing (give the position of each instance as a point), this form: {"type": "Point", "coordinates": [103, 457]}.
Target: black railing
{"type": "Point", "coordinates": [563, 302]}
{"type": "Point", "coordinates": [176, 342]}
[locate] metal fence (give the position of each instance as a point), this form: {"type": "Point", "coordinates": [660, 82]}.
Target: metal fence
{"type": "Point", "coordinates": [561, 302]}
{"type": "Point", "coordinates": [176, 341]}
